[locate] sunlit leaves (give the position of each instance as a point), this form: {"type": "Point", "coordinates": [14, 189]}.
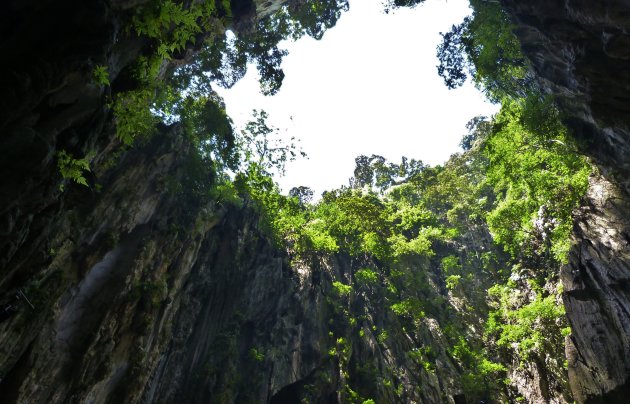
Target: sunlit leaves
{"type": "Point", "coordinates": [72, 168]}
{"type": "Point", "coordinates": [523, 326]}
{"type": "Point", "coordinates": [262, 144]}
{"type": "Point", "coordinates": [342, 289]}
{"type": "Point", "coordinates": [537, 175]}
{"type": "Point", "coordinates": [451, 54]}
{"type": "Point", "coordinates": [485, 47]}
{"type": "Point", "coordinates": [401, 246]}
{"type": "Point", "coordinates": [408, 307]}
{"type": "Point", "coordinates": [366, 276]}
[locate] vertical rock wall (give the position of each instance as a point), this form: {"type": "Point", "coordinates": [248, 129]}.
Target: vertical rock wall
{"type": "Point", "coordinates": [132, 292]}
{"type": "Point", "coordinates": [139, 293]}
{"type": "Point", "coordinates": [597, 296]}
{"type": "Point", "coordinates": [580, 51]}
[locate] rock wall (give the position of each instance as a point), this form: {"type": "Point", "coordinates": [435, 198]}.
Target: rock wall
{"type": "Point", "coordinates": [131, 291]}
{"type": "Point", "coordinates": [143, 296]}
{"type": "Point", "coordinates": [597, 297]}
{"type": "Point", "coordinates": [580, 50]}
{"type": "Point", "coordinates": [137, 293]}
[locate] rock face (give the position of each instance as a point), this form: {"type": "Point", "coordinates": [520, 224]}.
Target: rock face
{"type": "Point", "coordinates": [597, 297]}
{"type": "Point", "coordinates": [132, 291]}
{"type": "Point", "coordinates": [163, 301]}
{"type": "Point", "coordinates": [170, 300]}
{"type": "Point", "coordinates": [580, 52]}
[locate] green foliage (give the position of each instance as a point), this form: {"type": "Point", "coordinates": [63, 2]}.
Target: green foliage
{"type": "Point", "coordinates": [481, 376]}
{"type": "Point", "coordinates": [225, 193]}
{"type": "Point", "coordinates": [341, 349]}
{"type": "Point", "coordinates": [402, 227]}
{"type": "Point", "coordinates": [313, 18]}
{"type": "Point", "coordinates": [172, 25]}
{"type": "Point", "coordinates": [206, 123]}
{"type": "Point", "coordinates": [538, 176]}
{"type": "Point", "coordinates": [168, 93]}
{"type": "Point", "coordinates": [566, 331]}
{"type": "Point", "coordinates": [303, 194]}
{"type": "Point", "coordinates": [382, 337]}
{"type": "Point", "coordinates": [450, 265]}
{"type": "Point", "coordinates": [401, 246]}
{"type": "Point", "coordinates": [484, 45]}
{"type": "Point", "coordinates": [318, 238]}
{"type": "Point", "coordinates": [366, 276]}
{"type": "Point", "coordinates": [341, 289]}
{"type": "Point", "coordinates": [525, 327]}
{"type": "Point", "coordinates": [452, 281]}
{"type": "Point", "coordinates": [224, 59]}
{"type": "Point", "coordinates": [261, 144]}
{"type": "Point", "coordinates": [256, 354]}
{"type": "Point", "coordinates": [72, 168]}
{"type": "Point", "coordinates": [147, 70]}
{"type": "Point", "coordinates": [518, 175]}
{"type": "Point", "coordinates": [424, 357]}
{"type": "Point", "coordinates": [133, 115]}
{"type": "Point", "coordinates": [101, 75]}
{"type": "Point", "coordinates": [394, 4]}
{"type": "Point", "coordinates": [408, 307]}
{"type": "Point", "coordinates": [376, 173]}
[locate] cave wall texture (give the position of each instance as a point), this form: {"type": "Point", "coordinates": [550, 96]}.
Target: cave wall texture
{"type": "Point", "coordinates": [128, 291]}
{"type": "Point", "coordinates": [580, 51]}
{"type": "Point", "coordinates": [137, 295]}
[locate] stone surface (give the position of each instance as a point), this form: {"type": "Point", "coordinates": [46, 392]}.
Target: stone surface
{"type": "Point", "coordinates": [132, 292]}
{"type": "Point", "coordinates": [169, 300]}
{"type": "Point", "coordinates": [578, 49]}
{"type": "Point", "coordinates": [136, 293]}
{"type": "Point", "coordinates": [597, 296]}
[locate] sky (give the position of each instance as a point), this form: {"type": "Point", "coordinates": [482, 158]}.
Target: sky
{"type": "Point", "coordinates": [369, 86]}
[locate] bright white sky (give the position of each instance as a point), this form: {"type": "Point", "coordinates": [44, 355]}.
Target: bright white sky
{"type": "Point", "coordinates": [369, 86]}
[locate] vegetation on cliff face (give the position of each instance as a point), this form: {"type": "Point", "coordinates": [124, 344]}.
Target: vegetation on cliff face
{"type": "Point", "coordinates": [519, 178]}
{"type": "Point", "coordinates": [468, 251]}
{"type": "Point", "coordinates": [407, 218]}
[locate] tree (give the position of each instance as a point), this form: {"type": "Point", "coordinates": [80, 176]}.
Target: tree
{"type": "Point", "coordinates": [484, 46]}
{"type": "Point", "coordinates": [314, 17]}
{"type": "Point", "coordinates": [302, 193]}
{"type": "Point", "coordinates": [260, 143]}
{"type": "Point", "coordinates": [533, 172]}
{"type": "Point", "coordinates": [293, 21]}
{"type": "Point", "coordinates": [452, 56]}
{"type": "Point", "coordinates": [478, 129]}
{"type": "Point", "coordinates": [394, 4]}
{"type": "Point", "coordinates": [375, 172]}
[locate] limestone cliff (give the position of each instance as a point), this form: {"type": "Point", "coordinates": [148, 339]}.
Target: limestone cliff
{"type": "Point", "coordinates": [134, 291]}
{"type": "Point", "coordinates": [579, 50]}
{"type": "Point", "coordinates": [169, 299]}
